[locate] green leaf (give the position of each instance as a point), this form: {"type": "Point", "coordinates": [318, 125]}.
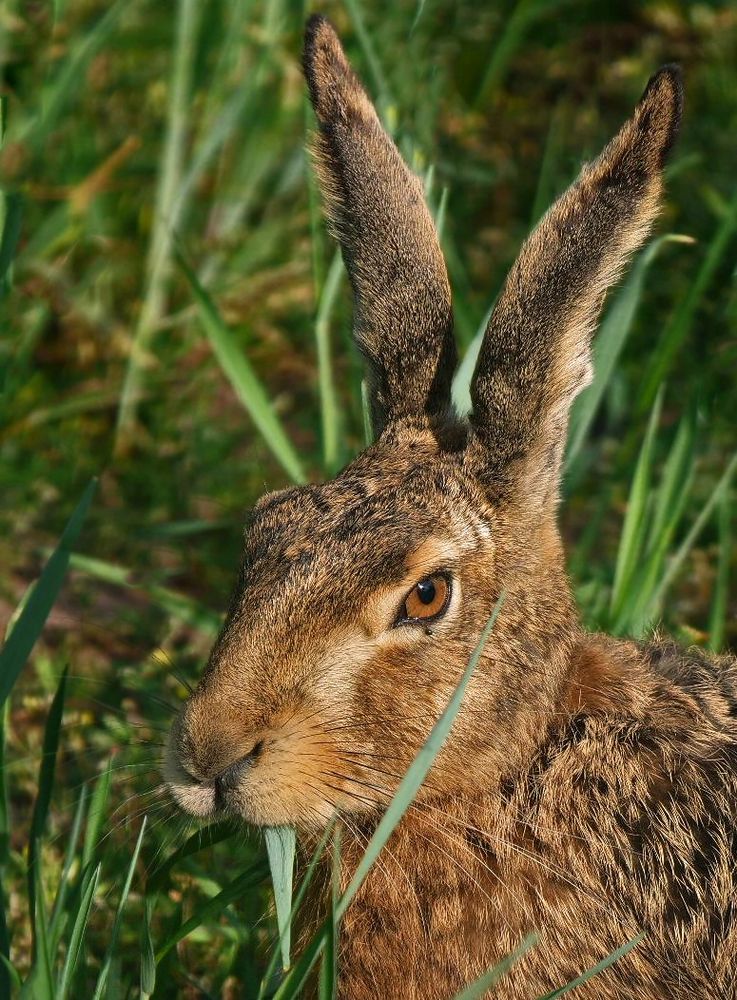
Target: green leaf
{"type": "Point", "coordinates": [12, 212]}
{"type": "Point", "coordinates": [720, 598]}
{"type": "Point", "coordinates": [11, 974]}
{"type": "Point", "coordinates": [595, 969]}
{"type": "Point", "coordinates": [7, 969]}
{"type": "Point", "coordinates": [215, 833]}
{"type": "Point", "coordinates": [682, 320]}
{"type": "Point", "coordinates": [329, 412]}
{"type": "Point", "coordinates": [96, 815]}
{"type": "Point", "coordinates": [57, 913]}
{"type": "Point", "coordinates": [89, 886]}
{"type": "Point", "coordinates": [179, 606]}
{"type": "Point", "coordinates": [609, 342]}
{"type": "Point", "coordinates": [368, 426]}
{"type": "Point", "coordinates": [280, 846]}
{"type": "Point", "coordinates": [40, 984]}
{"type": "Point", "coordinates": [148, 959]}
{"type": "Point", "coordinates": [246, 384]}
{"type": "Point", "coordinates": [417, 771]}
{"type": "Point", "coordinates": [689, 541]}
{"type": "Point", "coordinates": [45, 788]}
{"type": "Point", "coordinates": [633, 529]}
{"type": "Point", "coordinates": [461, 391]}
{"type": "Point", "coordinates": [664, 513]}
{"type": "Point", "coordinates": [31, 621]}
{"type": "Point", "coordinates": [328, 983]}
{"type": "Point", "coordinates": [301, 893]}
{"type": "Point", "coordinates": [115, 931]}
{"type": "Point", "coordinates": [233, 891]}
{"type": "Point", "coordinates": [4, 804]}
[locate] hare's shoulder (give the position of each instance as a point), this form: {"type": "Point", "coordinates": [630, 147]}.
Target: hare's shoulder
{"type": "Point", "coordinates": [710, 681]}
{"type": "Point", "coordinates": [650, 721]}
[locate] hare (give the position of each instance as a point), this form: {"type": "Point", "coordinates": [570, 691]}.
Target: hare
{"type": "Point", "coordinates": [588, 789]}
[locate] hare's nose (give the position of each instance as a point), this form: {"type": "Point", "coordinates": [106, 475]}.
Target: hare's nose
{"type": "Point", "coordinates": [230, 777]}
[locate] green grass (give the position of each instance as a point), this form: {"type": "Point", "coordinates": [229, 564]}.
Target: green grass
{"type": "Point", "coordinates": [174, 322]}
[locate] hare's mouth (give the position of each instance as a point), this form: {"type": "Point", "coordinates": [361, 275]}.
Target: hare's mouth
{"type": "Point", "coordinates": [291, 775]}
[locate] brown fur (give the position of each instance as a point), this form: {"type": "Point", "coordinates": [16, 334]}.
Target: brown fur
{"type": "Point", "coordinates": [588, 789]}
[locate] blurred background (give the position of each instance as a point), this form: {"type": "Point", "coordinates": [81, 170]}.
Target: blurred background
{"type": "Point", "coordinates": [175, 322]}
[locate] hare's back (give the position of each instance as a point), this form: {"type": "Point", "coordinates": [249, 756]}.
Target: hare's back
{"type": "Point", "coordinates": [711, 681]}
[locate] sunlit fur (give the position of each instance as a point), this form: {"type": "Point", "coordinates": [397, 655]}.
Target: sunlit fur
{"type": "Point", "coordinates": [588, 789]}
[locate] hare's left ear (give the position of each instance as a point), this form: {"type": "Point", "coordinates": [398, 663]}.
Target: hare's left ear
{"type": "Point", "coordinates": [402, 316]}
{"type": "Point", "coordinates": [535, 355]}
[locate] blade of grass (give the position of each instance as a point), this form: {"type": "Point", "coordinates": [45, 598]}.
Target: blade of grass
{"type": "Point", "coordinates": [7, 969]}
{"type": "Point", "coordinates": [609, 342]}
{"type": "Point", "coordinates": [234, 890]}
{"type": "Point", "coordinates": [595, 969]}
{"type": "Point", "coordinates": [57, 912]}
{"type": "Point", "coordinates": [4, 803]}
{"type": "Point", "coordinates": [246, 384]}
{"type": "Point", "coordinates": [372, 60]}
{"type": "Point", "coordinates": [328, 986]}
{"type": "Point", "coordinates": [179, 606]}
{"type": "Point", "coordinates": [720, 600]}
{"type": "Point", "coordinates": [215, 833]}
{"type": "Point", "coordinates": [42, 804]}
{"type": "Point", "coordinates": [668, 504]}
{"type": "Point", "coordinates": [11, 215]}
{"type": "Point", "coordinates": [689, 541]}
{"type": "Point", "coordinates": [115, 931]}
{"type": "Point", "coordinates": [280, 845]}
{"type": "Point", "coordinates": [158, 264]}
{"type": "Point", "coordinates": [368, 428]}
{"type": "Point", "coordinates": [483, 984]}
{"type": "Point", "coordinates": [516, 25]}
{"type": "Point", "coordinates": [297, 902]}
{"type": "Point", "coordinates": [40, 982]}
{"type": "Point", "coordinates": [148, 960]}
{"type": "Point", "coordinates": [329, 413]}
{"type": "Point", "coordinates": [31, 620]}
{"type": "Point", "coordinates": [96, 815]}
{"type": "Point", "coordinates": [635, 520]}
{"type": "Point", "coordinates": [60, 91]}
{"type": "Point", "coordinates": [678, 327]}
{"type": "Point", "coordinates": [12, 974]}
{"type": "Point", "coordinates": [89, 886]}
{"type": "Point", "coordinates": [461, 391]}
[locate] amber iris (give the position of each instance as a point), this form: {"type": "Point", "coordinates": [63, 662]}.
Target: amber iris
{"type": "Point", "coordinates": [427, 599]}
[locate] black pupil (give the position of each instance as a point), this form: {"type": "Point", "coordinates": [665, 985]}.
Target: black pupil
{"type": "Point", "coordinates": [426, 591]}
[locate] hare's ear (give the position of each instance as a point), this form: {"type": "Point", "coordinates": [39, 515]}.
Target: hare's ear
{"type": "Point", "coordinates": [535, 355]}
{"type": "Point", "coordinates": [402, 314]}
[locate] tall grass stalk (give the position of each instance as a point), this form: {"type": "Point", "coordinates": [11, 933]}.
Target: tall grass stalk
{"type": "Point", "coordinates": [159, 261]}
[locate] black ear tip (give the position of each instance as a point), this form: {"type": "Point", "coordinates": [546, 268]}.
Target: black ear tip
{"type": "Point", "coordinates": [661, 106]}
{"type": "Point", "coordinates": [667, 83]}
{"type": "Point", "coordinates": [319, 33]}
{"type": "Point", "coordinates": [316, 23]}
{"type": "Point", "coordinates": [323, 60]}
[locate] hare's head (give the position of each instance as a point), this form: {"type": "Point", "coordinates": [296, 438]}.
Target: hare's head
{"type": "Point", "coordinates": [360, 601]}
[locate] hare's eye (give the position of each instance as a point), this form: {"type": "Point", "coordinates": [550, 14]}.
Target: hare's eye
{"type": "Point", "coordinates": [428, 599]}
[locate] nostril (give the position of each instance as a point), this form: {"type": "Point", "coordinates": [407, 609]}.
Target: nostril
{"type": "Point", "coordinates": [231, 776]}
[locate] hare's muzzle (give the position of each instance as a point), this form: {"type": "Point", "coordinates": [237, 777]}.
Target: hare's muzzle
{"type": "Point", "coordinates": [266, 766]}
{"type": "Point", "coordinates": [209, 758]}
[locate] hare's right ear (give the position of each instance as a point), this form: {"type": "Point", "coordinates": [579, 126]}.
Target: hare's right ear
{"type": "Point", "coordinates": [535, 355]}
{"type": "Point", "coordinates": [402, 315]}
